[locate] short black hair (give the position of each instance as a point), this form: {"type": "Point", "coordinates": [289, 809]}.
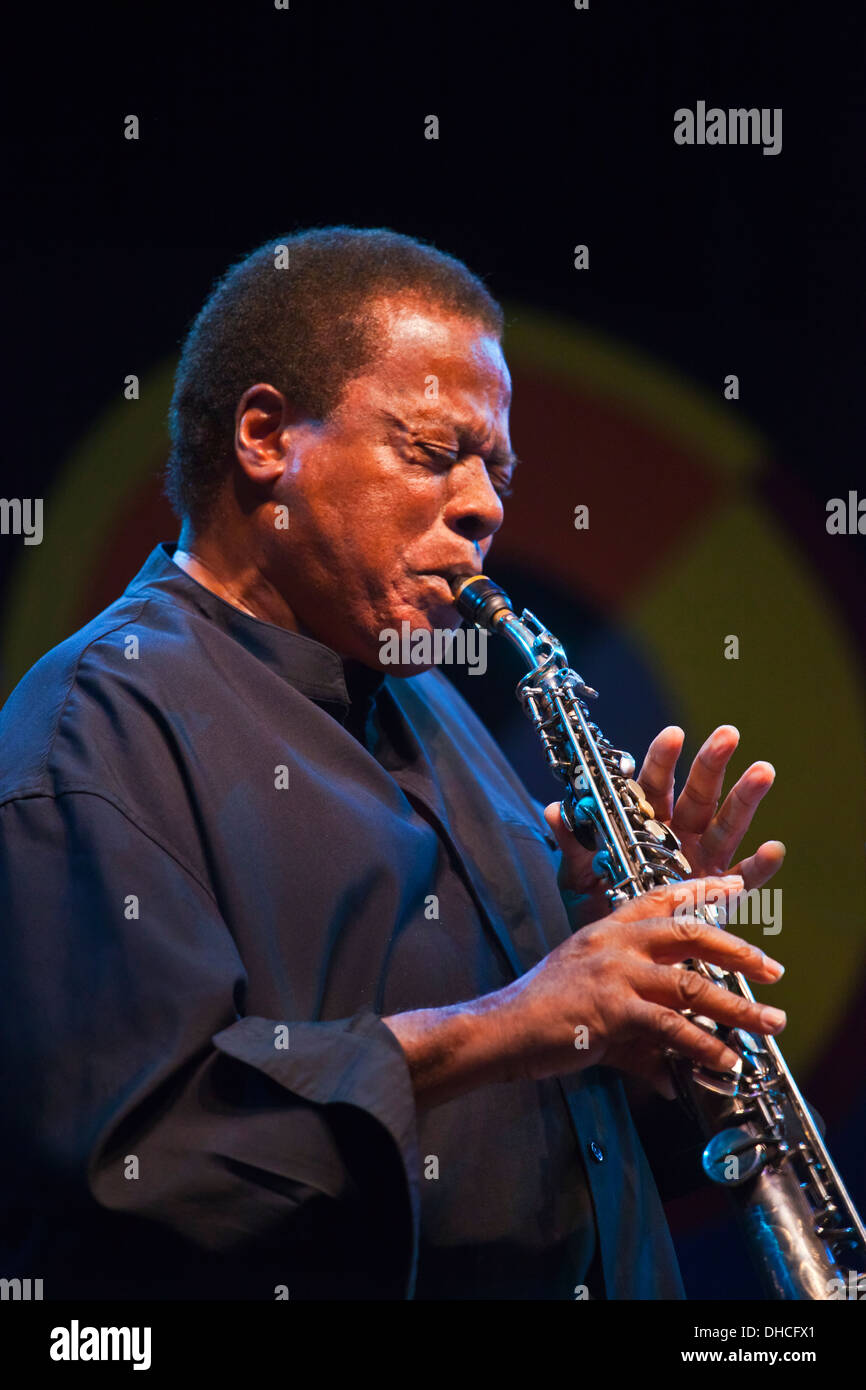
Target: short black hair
{"type": "Point", "coordinates": [303, 330]}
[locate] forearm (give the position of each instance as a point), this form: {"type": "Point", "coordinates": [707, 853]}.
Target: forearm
{"type": "Point", "coordinates": [457, 1048]}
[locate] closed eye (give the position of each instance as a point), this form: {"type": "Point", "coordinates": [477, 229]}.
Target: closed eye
{"type": "Point", "coordinates": [440, 450]}
{"type": "Point", "coordinates": [501, 485]}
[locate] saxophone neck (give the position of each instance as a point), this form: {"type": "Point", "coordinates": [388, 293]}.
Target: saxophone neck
{"type": "Point", "coordinates": [480, 600]}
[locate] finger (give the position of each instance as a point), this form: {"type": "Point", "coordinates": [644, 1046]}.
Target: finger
{"type": "Point", "coordinates": [760, 866]}
{"type": "Point", "coordinates": [669, 1029]}
{"type": "Point", "coordinates": [686, 989]}
{"type": "Point", "coordinates": [688, 938]}
{"type": "Point", "coordinates": [657, 774]}
{"type": "Point", "coordinates": [680, 897]}
{"type": "Point", "coordinates": [733, 818]}
{"type": "Point", "coordinates": [564, 837]}
{"type": "Point", "coordinates": [576, 871]}
{"type": "Point", "coordinates": [652, 1066]}
{"type": "Point", "coordinates": [697, 802]}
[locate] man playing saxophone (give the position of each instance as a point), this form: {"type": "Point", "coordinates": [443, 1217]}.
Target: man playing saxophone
{"type": "Point", "coordinates": [295, 987]}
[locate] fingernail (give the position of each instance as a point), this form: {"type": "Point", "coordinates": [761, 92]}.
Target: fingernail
{"type": "Point", "coordinates": [733, 878]}
{"type": "Point", "coordinates": [773, 1018]}
{"type": "Point", "coordinates": [776, 966]}
{"type": "Point", "coordinates": [729, 1058]}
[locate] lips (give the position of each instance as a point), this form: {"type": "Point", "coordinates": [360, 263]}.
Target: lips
{"type": "Point", "coordinates": [452, 572]}
{"type": "Point", "coordinates": [446, 580]}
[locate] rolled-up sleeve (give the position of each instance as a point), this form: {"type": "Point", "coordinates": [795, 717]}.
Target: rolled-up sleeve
{"type": "Point", "coordinates": [200, 1148]}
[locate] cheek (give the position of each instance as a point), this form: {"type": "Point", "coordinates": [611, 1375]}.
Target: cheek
{"type": "Point", "coordinates": [362, 528]}
{"type": "Point", "coordinates": [386, 521]}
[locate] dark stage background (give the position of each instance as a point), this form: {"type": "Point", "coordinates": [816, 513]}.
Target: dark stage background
{"type": "Point", "coordinates": [707, 515]}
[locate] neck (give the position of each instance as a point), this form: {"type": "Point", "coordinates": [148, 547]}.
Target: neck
{"type": "Point", "coordinates": [233, 574]}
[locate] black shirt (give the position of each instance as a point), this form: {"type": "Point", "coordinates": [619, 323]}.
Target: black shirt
{"type": "Point", "coordinates": [224, 857]}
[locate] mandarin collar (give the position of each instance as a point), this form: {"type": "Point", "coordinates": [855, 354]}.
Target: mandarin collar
{"type": "Point", "coordinates": [309, 666]}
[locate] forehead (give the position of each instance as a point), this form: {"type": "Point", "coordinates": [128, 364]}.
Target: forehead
{"type": "Point", "coordinates": [429, 356]}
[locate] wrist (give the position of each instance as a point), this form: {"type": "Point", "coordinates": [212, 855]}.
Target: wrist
{"type": "Point", "coordinates": [457, 1048]}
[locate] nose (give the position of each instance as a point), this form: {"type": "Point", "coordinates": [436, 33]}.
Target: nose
{"type": "Point", "coordinates": [474, 508]}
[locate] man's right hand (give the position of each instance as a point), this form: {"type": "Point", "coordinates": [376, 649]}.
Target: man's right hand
{"type": "Point", "coordinates": [621, 980]}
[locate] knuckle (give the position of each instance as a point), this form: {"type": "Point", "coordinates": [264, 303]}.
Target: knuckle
{"type": "Point", "coordinates": [735, 1005]}
{"type": "Point", "coordinates": [591, 941]}
{"type": "Point", "coordinates": [589, 934]}
{"type": "Point", "coordinates": [691, 986]}
{"type": "Point", "coordinates": [669, 1025]}
{"type": "Point", "coordinates": [608, 966]}
{"type": "Point", "coordinates": [586, 942]}
{"type": "Point", "coordinates": [687, 929]}
{"type": "Point", "coordinates": [655, 903]}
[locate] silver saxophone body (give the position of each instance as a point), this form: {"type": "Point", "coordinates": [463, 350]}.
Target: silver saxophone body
{"type": "Point", "coordinates": [762, 1143]}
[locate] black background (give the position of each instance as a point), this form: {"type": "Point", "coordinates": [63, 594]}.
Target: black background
{"type": "Point", "coordinates": [555, 127]}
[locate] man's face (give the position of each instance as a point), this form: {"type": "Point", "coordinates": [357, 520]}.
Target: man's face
{"type": "Point", "coordinates": [400, 490]}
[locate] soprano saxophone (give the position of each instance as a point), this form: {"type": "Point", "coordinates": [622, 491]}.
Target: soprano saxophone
{"type": "Point", "coordinates": [803, 1231]}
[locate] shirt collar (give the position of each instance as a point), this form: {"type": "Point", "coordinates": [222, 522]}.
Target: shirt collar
{"type": "Point", "coordinates": [312, 668]}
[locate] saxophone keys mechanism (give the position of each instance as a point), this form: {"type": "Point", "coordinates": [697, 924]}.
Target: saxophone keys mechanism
{"type": "Point", "coordinates": [722, 1083]}
{"type": "Point", "coordinates": [579, 816]}
{"type": "Point", "coordinates": [602, 864]}
{"type": "Point", "coordinates": [768, 1137]}
{"type": "Point", "coordinates": [644, 806]}
{"type": "Point", "coordinates": [733, 1156]}
{"type": "Point", "coordinates": [748, 1041]}
{"type": "Point", "coordinates": [715, 972]}
{"type": "Point", "coordinates": [681, 862]}
{"type": "Point", "coordinates": [756, 1064]}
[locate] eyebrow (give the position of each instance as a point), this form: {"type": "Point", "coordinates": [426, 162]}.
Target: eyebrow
{"type": "Point", "coordinates": [504, 457]}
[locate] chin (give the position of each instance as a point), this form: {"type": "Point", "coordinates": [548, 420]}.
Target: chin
{"type": "Point", "coordinates": [405, 642]}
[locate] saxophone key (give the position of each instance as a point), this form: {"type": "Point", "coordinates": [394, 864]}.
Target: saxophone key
{"type": "Point", "coordinates": [639, 796]}
{"type": "Point", "coordinates": [722, 1083]}
{"type": "Point", "coordinates": [715, 971]}
{"type": "Point", "coordinates": [709, 1025]}
{"type": "Point", "coordinates": [733, 1156]}
{"type": "Point", "coordinates": [748, 1042]}
{"type": "Point", "coordinates": [653, 827]}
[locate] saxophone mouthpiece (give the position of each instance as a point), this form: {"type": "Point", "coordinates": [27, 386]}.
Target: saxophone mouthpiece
{"type": "Point", "coordinates": [479, 600]}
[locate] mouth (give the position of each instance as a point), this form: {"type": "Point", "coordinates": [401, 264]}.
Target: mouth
{"type": "Point", "coordinates": [449, 577]}
{"type": "Point", "coordinates": [451, 573]}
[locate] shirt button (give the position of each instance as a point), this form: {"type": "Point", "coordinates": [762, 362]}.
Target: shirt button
{"type": "Point", "coordinates": [596, 1150]}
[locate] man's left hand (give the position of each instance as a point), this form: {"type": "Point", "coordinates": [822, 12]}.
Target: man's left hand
{"type": "Point", "coordinates": [709, 833]}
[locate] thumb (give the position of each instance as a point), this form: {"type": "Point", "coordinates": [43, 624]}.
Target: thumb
{"type": "Point", "coordinates": [576, 861]}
